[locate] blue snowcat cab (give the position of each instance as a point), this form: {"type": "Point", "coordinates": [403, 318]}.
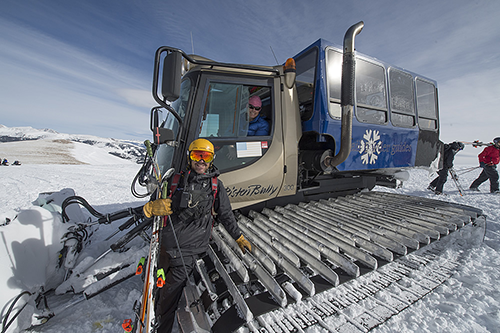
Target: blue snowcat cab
{"type": "Point", "coordinates": [395, 123]}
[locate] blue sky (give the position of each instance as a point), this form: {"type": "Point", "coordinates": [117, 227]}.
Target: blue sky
{"type": "Point", "coordinates": [85, 67]}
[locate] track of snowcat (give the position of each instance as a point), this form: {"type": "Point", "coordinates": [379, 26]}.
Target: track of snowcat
{"type": "Point", "coordinates": [345, 264]}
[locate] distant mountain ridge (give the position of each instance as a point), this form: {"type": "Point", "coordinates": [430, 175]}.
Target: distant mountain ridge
{"type": "Point", "coordinates": [125, 149]}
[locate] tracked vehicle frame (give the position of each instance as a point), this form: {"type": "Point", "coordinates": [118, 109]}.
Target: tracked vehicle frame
{"type": "Point", "coordinates": [324, 247]}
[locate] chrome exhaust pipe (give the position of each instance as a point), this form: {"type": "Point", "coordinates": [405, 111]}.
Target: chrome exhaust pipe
{"type": "Point", "coordinates": [348, 87]}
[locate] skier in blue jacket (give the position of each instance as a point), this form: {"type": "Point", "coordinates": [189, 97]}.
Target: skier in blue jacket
{"type": "Point", "coordinates": [257, 124]}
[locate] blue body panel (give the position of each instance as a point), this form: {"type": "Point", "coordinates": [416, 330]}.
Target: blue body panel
{"type": "Point", "coordinates": [374, 146]}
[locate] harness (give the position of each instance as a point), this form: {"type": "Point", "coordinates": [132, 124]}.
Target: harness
{"type": "Point", "coordinates": [177, 177]}
{"type": "Point", "coordinates": [173, 187]}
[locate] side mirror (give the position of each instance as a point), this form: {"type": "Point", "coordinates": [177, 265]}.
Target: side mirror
{"type": "Point", "coordinates": [171, 78]}
{"type": "Point", "coordinates": [154, 120]}
{"type": "Point", "coordinates": [163, 135]}
{"type": "Point", "coordinates": [160, 134]}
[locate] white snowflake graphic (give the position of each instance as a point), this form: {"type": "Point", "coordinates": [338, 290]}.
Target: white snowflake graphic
{"type": "Point", "coordinates": [370, 147]}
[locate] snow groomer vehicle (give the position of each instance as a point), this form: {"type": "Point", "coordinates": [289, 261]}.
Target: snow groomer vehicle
{"type": "Point", "coordinates": [328, 252]}
{"type": "Point", "coordinates": [340, 124]}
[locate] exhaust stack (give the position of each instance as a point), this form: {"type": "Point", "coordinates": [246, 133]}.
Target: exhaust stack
{"type": "Point", "coordinates": [347, 96]}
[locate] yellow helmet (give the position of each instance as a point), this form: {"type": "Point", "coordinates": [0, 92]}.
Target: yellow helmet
{"type": "Point", "coordinates": [201, 144]}
{"type": "Point", "coordinates": [201, 149]}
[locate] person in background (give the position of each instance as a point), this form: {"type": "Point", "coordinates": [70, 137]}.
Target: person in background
{"type": "Point", "coordinates": [449, 155]}
{"type": "Point", "coordinates": [257, 125]}
{"type": "Point", "coordinates": [488, 160]}
{"type": "Point", "coordinates": [195, 192]}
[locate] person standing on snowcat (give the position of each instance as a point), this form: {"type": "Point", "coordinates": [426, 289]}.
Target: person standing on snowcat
{"type": "Point", "coordinates": [195, 194]}
{"type": "Point", "coordinates": [488, 160]}
{"type": "Point", "coordinates": [449, 155]}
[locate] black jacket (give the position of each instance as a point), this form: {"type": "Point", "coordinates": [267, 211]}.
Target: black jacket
{"type": "Point", "coordinates": [193, 225]}
{"type": "Point", "coordinates": [449, 156]}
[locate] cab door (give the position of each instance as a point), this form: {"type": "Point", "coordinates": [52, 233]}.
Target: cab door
{"type": "Point", "coordinates": [248, 148]}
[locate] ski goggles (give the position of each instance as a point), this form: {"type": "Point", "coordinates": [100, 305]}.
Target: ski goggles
{"type": "Point", "coordinates": [256, 108]}
{"type": "Point", "coordinates": [198, 155]}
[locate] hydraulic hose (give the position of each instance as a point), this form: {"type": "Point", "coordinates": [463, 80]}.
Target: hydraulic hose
{"type": "Point", "coordinates": [6, 325]}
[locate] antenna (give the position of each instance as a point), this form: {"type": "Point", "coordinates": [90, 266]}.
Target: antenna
{"type": "Point", "coordinates": [274, 55]}
{"type": "Point", "coordinates": [192, 44]}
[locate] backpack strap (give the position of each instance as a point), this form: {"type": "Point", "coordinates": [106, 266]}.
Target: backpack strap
{"type": "Point", "coordinates": [174, 184]}
{"type": "Point", "coordinates": [214, 186]}
{"type": "Point", "coordinates": [214, 190]}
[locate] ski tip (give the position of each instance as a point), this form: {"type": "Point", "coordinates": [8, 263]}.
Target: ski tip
{"type": "Point", "coordinates": [127, 325]}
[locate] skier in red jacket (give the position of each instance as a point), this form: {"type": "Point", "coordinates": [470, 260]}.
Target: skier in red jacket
{"type": "Point", "coordinates": [488, 160]}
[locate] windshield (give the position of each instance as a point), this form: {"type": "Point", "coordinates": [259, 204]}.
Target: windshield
{"type": "Point", "coordinates": [164, 153]}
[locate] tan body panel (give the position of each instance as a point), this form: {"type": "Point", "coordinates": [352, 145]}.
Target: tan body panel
{"type": "Point", "coordinates": [266, 178]}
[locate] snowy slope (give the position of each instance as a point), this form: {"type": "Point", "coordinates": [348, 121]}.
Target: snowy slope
{"type": "Point", "coordinates": [467, 302]}
{"type": "Point", "coordinates": [34, 146]}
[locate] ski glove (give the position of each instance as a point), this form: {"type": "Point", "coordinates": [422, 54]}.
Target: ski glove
{"type": "Point", "coordinates": [243, 243]}
{"type": "Point", "coordinates": [159, 207]}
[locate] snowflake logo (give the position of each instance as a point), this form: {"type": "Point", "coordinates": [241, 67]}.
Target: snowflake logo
{"type": "Point", "coordinates": [370, 147]}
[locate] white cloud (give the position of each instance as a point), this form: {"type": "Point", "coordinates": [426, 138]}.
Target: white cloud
{"type": "Point", "coordinates": [51, 84]}
{"type": "Point", "coordinates": [95, 61]}
{"type": "Point", "coordinates": [136, 97]}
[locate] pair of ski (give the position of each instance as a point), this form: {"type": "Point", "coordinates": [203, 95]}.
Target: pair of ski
{"type": "Point", "coordinates": [454, 177]}
{"type": "Point", "coordinates": [145, 318]}
{"type": "Point", "coordinates": [477, 143]}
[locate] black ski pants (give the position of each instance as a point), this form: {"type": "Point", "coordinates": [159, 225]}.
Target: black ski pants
{"type": "Point", "coordinates": [489, 172]}
{"type": "Point", "coordinates": [439, 181]}
{"type": "Point", "coordinates": [167, 298]}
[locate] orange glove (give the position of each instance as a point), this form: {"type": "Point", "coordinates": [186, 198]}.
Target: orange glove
{"type": "Point", "coordinates": [244, 244]}
{"type": "Point", "coordinates": [159, 207]}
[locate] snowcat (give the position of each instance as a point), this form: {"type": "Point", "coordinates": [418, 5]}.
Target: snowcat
{"type": "Point", "coordinates": [340, 123]}
{"type": "Point", "coordinates": [329, 253]}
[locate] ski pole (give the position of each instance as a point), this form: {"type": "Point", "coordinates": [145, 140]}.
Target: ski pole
{"type": "Point", "coordinates": [454, 177]}
{"type": "Point", "coordinates": [124, 226]}
{"type": "Point", "coordinates": [464, 171]}
{"type": "Point", "coordinates": [130, 235]}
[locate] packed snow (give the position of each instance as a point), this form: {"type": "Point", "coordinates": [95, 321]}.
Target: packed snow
{"type": "Point", "coordinates": [467, 302]}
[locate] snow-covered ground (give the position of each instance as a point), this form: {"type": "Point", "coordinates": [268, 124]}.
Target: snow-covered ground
{"type": "Point", "coordinates": [35, 146]}
{"type": "Point", "coordinates": [467, 302]}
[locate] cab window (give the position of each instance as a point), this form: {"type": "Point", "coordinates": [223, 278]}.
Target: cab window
{"type": "Point", "coordinates": [238, 120]}
{"type": "Point", "coordinates": [426, 105]}
{"type": "Point", "coordinates": [306, 76]}
{"type": "Point", "coordinates": [371, 94]}
{"type": "Point", "coordinates": [334, 74]}
{"type": "Point", "coordinates": [402, 98]}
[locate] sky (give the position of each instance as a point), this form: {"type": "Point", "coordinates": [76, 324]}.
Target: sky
{"type": "Point", "coordinates": [85, 67]}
